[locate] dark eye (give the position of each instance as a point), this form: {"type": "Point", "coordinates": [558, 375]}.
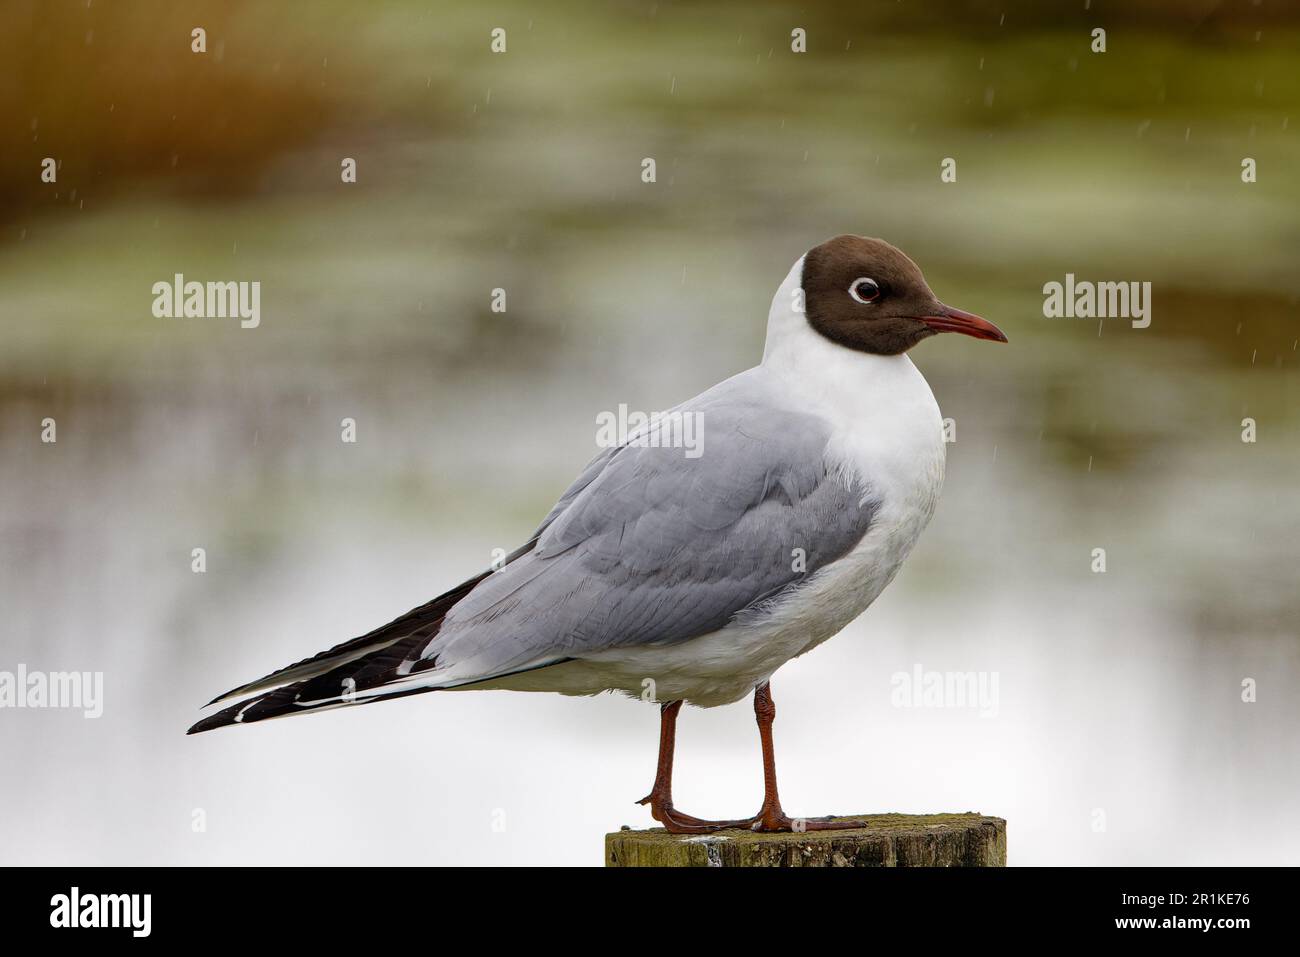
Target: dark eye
{"type": "Point", "coordinates": [864, 290]}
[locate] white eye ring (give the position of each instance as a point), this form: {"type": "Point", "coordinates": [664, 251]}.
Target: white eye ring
{"type": "Point", "coordinates": [869, 286]}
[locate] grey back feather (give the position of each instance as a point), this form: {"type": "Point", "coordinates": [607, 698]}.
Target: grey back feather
{"type": "Point", "coordinates": [650, 546]}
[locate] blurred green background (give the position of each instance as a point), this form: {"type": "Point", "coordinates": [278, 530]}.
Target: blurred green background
{"type": "Point", "coordinates": [522, 170]}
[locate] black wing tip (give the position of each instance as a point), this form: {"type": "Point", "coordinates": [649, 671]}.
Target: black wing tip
{"type": "Point", "coordinates": [222, 719]}
{"type": "Point", "coordinates": [242, 712]}
{"type": "Point", "coordinates": [207, 724]}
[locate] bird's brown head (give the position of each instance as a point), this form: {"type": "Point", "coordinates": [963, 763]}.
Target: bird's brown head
{"type": "Point", "coordinates": [867, 295]}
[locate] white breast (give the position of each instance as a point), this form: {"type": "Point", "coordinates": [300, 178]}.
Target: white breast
{"type": "Point", "coordinates": [888, 435]}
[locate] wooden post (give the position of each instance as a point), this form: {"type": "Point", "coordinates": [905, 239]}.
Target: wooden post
{"type": "Point", "coordinates": [889, 840]}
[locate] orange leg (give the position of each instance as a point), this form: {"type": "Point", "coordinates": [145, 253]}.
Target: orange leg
{"type": "Point", "coordinates": [769, 818]}
{"type": "Point", "coordinates": [660, 797]}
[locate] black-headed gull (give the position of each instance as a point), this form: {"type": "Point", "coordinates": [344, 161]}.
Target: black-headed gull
{"type": "Point", "coordinates": [698, 575]}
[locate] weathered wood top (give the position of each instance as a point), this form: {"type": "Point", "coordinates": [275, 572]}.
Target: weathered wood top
{"type": "Point", "coordinates": [889, 840]}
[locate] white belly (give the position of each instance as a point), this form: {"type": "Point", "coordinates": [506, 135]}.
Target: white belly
{"type": "Point", "coordinates": [896, 449]}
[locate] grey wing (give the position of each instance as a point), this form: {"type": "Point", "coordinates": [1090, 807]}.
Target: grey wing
{"type": "Point", "coordinates": [653, 546]}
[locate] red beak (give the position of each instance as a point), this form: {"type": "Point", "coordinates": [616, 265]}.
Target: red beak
{"type": "Point", "coordinates": [954, 320]}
